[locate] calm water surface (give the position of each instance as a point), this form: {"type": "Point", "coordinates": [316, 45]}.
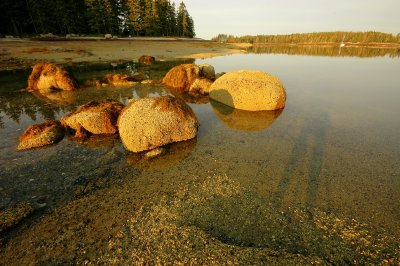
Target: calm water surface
{"type": "Point", "coordinates": [312, 179]}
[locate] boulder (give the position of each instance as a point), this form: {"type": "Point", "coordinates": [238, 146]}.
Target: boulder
{"type": "Point", "coordinates": [200, 86]}
{"type": "Point", "coordinates": [148, 123]}
{"type": "Point", "coordinates": [146, 60]}
{"type": "Point", "coordinates": [94, 117]}
{"type": "Point", "coordinates": [181, 76]}
{"type": "Point", "coordinates": [39, 135]}
{"type": "Point", "coordinates": [207, 71]}
{"type": "Point", "coordinates": [249, 90]}
{"type": "Point", "coordinates": [46, 76]}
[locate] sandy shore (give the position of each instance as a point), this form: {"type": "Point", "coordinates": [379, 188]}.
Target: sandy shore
{"type": "Point", "coordinates": [23, 53]}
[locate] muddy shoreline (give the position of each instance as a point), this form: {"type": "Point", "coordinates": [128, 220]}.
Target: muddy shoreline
{"type": "Point", "coordinates": [23, 53]}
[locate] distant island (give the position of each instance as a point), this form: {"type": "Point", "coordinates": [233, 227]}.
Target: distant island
{"type": "Point", "coordinates": [339, 38]}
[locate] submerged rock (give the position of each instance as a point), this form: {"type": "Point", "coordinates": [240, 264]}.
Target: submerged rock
{"type": "Point", "coordinates": [249, 90]}
{"type": "Point", "coordinates": [46, 76]}
{"type": "Point", "coordinates": [148, 123]}
{"type": "Point", "coordinates": [39, 135]}
{"type": "Point", "coordinates": [155, 153]}
{"type": "Point", "coordinates": [11, 217]}
{"type": "Point", "coordinates": [146, 60]}
{"type": "Point", "coordinates": [94, 117]}
{"type": "Point", "coordinates": [122, 79]}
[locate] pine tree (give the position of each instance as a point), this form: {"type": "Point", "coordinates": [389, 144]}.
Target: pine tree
{"type": "Point", "coordinates": [185, 25]}
{"type": "Point", "coordinates": [136, 12]}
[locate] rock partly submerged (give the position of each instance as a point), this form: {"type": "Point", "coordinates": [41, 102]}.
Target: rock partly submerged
{"type": "Point", "coordinates": [190, 78]}
{"type": "Point", "coordinates": [94, 117]}
{"type": "Point", "coordinates": [148, 123]}
{"type": "Point", "coordinates": [47, 76]}
{"type": "Point", "coordinates": [249, 90]}
{"type": "Point", "coordinates": [38, 135]}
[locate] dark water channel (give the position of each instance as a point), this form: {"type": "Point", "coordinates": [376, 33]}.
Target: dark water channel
{"type": "Point", "coordinates": [317, 182]}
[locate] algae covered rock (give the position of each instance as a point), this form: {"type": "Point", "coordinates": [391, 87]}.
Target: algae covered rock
{"type": "Point", "coordinates": [39, 135]}
{"type": "Point", "coordinates": [46, 76]}
{"type": "Point", "coordinates": [148, 123]}
{"type": "Point", "coordinates": [249, 90]}
{"type": "Point", "coordinates": [94, 117]}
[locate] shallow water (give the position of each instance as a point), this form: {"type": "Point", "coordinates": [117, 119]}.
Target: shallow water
{"type": "Point", "coordinates": [320, 178]}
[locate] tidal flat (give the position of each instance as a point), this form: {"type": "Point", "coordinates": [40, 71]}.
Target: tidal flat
{"type": "Point", "coordinates": [314, 183]}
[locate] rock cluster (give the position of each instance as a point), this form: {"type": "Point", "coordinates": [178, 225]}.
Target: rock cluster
{"type": "Point", "coordinates": [149, 123]}
{"type": "Point", "coordinates": [46, 76]}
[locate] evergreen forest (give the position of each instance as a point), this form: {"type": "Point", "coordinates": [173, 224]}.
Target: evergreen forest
{"type": "Point", "coordinates": [315, 37]}
{"type": "Point", "coordinates": [94, 17]}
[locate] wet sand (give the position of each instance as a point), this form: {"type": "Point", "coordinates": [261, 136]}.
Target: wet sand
{"type": "Point", "coordinates": [23, 53]}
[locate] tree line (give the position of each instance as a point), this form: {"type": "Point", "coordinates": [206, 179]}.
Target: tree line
{"type": "Point", "coordinates": [116, 17]}
{"type": "Point", "coordinates": [315, 37]}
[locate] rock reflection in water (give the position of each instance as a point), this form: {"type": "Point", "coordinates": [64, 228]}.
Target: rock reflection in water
{"type": "Point", "coordinates": [98, 141]}
{"type": "Point", "coordinates": [175, 153]}
{"type": "Point", "coordinates": [62, 98]}
{"type": "Point", "coordinates": [188, 97]}
{"type": "Point", "coordinates": [244, 120]}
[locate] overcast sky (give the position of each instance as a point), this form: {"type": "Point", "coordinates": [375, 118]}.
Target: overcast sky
{"type": "Point", "coordinates": [292, 16]}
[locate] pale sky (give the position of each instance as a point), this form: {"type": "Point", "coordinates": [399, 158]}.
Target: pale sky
{"type": "Point", "coordinates": [292, 16]}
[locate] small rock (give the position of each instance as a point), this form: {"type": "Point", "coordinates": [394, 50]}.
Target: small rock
{"type": "Point", "coordinates": [146, 60]}
{"type": "Point", "coordinates": [154, 153]}
{"type": "Point", "coordinates": [39, 135]}
{"type": "Point", "coordinates": [207, 71]}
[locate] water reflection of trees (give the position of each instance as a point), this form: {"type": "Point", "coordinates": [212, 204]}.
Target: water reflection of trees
{"type": "Point", "coordinates": [20, 103]}
{"type": "Point", "coordinates": [325, 51]}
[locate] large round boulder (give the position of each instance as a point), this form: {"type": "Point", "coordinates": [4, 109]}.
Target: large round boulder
{"type": "Point", "coordinates": [46, 76]}
{"type": "Point", "coordinates": [94, 117]}
{"type": "Point", "coordinates": [148, 123]}
{"type": "Point", "coordinates": [249, 90]}
{"type": "Point", "coordinates": [39, 135]}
